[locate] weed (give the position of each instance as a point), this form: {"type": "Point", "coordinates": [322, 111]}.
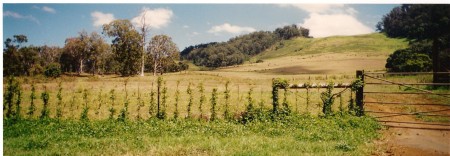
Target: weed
{"type": "Point", "coordinates": [191, 99]}
{"type": "Point", "coordinates": [45, 99]}
{"type": "Point", "coordinates": [151, 107]}
{"type": "Point", "coordinates": [32, 107]}
{"type": "Point", "coordinates": [112, 97]}
{"type": "Point", "coordinates": [59, 97]}
{"type": "Point", "coordinates": [226, 114]}
{"type": "Point", "coordinates": [84, 112]}
{"type": "Point", "coordinates": [201, 90]}
{"type": "Point", "coordinates": [177, 98]}
{"type": "Point", "coordinates": [327, 98]}
{"type": "Point", "coordinates": [213, 104]}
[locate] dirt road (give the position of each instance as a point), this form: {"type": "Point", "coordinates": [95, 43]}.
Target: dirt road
{"type": "Point", "coordinates": [406, 135]}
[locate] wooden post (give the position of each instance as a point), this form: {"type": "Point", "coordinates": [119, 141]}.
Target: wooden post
{"type": "Point", "coordinates": [360, 93]}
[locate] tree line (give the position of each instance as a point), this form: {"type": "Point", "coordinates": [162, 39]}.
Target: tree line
{"type": "Point", "coordinates": [426, 26]}
{"type": "Point", "coordinates": [238, 49]}
{"type": "Point", "coordinates": [127, 54]}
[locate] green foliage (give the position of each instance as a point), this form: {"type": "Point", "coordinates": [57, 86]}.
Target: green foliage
{"type": "Point", "coordinates": [238, 49]}
{"type": "Point", "coordinates": [201, 90]}
{"type": "Point", "coordinates": [125, 46]}
{"type": "Point", "coordinates": [341, 135]}
{"type": "Point", "coordinates": [327, 98]}
{"type": "Point", "coordinates": [84, 113]}
{"type": "Point", "coordinates": [250, 111]}
{"type": "Point", "coordinates": [45, 99]}
{"type": "Point", "coordinates": [177, 98]}
{"type": "Point", "coordinates": [112, 98]}
{"type": "Point", "coordinates": [151, 107]}
{"type": "Point", "coordinates": [213, 104]}
{"type": "Point", "coordinates": [52, 70]}
{"type": "Point", "coordinates": [277, 84]}
{"type": "Point", "coordinates": [408, 60]}
{"type": "Point", "coordinates": [163, 53]}
{"type": "Point", "coordinates": [291, 31]}
{"type": "Point", "coordinates": [191, 100]}
{"type": "Point", "coordinates": [226, 113]}
{"type": "Point", "coordinates": [12, 92]}
{"type": "Point", "coordinates": [160, 111]}
{"type": "Point", "coordinates": [123, 115]}
{"type": "Point", "coordinates": [32, 107]}
{"type": "Point", "coordinates": [163, 113]}
{"type": "Point", "coordinates": [59, 97]}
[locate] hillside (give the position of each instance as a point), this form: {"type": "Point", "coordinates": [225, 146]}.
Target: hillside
{"type": "Point", "coordinates": [330, 55]}
{"type": "Point", "coordinates": [374, 43]}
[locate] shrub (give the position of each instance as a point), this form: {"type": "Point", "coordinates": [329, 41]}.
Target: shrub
{"type": "Point", "coordinates": [45, 99]}
{"type": "Point", "coordinates": [32, 107]}
{"type": "Point", "coordinates": [191, 99]}
{"type": "Point", "coordinates": [259, 61]}
{"type": "Point", "coordinates": [213, 104]}
{"type": "Point", "coordinates": [52, 70]}
{"type": "Point", "coordinates": [408, 60]}
{"type": "Point", "coordinates": [327, 98]}
{"type": "Point", "coordinates": [226, 114]}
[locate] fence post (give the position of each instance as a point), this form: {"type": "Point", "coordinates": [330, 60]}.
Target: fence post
{"type": "Point", "coordinates": [360, 93]}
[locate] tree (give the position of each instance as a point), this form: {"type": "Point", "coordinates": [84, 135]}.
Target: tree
{"type": "Point", "coordinates": [163, 51]}
{"type": "Point", "coordinates": [97, 49]}
{"type": "Point", "coordinates": [423, 22]}
{"type": "Point", "coordinates": [126, 46]}
{"type": "Point", "coordinates": [145, 28]}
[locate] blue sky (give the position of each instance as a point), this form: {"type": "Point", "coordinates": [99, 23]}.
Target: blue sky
{"type": "Point", "coordinates": [188, 24]}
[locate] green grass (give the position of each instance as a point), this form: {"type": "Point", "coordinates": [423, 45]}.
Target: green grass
{"type": "Point", "coordinates": [373, 44]}
{"type": "Point", "coordinates": [338, 135]}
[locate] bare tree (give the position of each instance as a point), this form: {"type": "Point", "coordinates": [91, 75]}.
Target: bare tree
{"type": "Point", "coordinates": [145, 28]}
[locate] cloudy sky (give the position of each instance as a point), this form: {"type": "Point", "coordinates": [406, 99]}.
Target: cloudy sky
{"type": "Point", "coordinates": [188, 24]}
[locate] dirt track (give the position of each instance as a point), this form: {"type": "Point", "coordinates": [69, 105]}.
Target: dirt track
{"type": "Point", "coordinates": [420, 138]}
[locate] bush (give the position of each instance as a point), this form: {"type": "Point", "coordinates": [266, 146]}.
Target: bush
{"type": "Point", "coordinates": [259, 61]}
{"type": "Point", "coordinates": [408, 60]}
{"type": "Point", "coordinates": [52, 70]}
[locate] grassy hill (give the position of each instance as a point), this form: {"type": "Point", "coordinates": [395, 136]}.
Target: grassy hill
{"type": "Point", "coordinates": [374, 43]}
{"type": "Point", "coordinates": [330, 55]}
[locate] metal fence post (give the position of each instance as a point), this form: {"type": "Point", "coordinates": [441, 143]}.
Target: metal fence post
{"type": "Point", "coordinates": [360, 93]}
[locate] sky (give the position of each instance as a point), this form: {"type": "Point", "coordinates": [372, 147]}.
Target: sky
{"type": "Point", "coordinates": [188, 24]}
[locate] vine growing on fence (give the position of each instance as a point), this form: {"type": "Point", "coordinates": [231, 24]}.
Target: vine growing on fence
{"type": "Point", "coordinates": [112, 98]}
{"type": "Point", "coordinates": [327, 98]}
{"type": "Point", "coordinates": [151, 107]}
{"type": "Point", "coordinates": [213, 104]}
{"type": "Point", "coordinates": [84, 112]}
{"type": "Point", "coordinates": [201, 90]}
{"type": "Point", "coordinates": [45, 99]}
{"type": "Point", "coordinates": [59, 97]}
{"type": "Point", "coordinates": [32, 107]}
{"type": "Point", "coordinates": [177, 98]}
{"type": "Point", "coordinates": [226, 114]}
{"type": "Point", "coordinates": [191, 99]}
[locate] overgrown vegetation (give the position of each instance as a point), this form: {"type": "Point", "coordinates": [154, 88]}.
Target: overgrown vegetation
{"type": "Point", "coordinates": [342, 135]}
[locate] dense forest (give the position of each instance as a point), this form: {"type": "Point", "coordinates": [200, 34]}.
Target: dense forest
{"type": "Point", "coordinates": [239, 49]}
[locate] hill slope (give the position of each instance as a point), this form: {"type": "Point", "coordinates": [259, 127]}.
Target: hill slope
{"type": "Point", "coordinates": [339, 54]}
{"type": "Point", "coordinates": [374, 43]}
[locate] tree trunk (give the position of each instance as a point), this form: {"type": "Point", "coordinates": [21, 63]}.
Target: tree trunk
{"type": "Point", "coordinates": [437, 67]}
{"type": "Point", "coordinates": [142, 68]}
{"type": "Point", "coordinates": [155, 66]}
{"type": "Point", "coordinates": [81, 67]}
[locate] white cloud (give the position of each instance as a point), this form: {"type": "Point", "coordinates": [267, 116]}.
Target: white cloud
{"type": "Point", "coordinates": [195, 33]}
{"type": "Point", "coordinates": [234, 29]}
{"type": "Point", "coordinates": [45, 8]}
{"type": "Point", "coordinates": [185, 26]}
{"type": "Point", "coordinates": [19, 16]}
{"type": "Point", "coordinates": [315, 8]}
{"type": "Point", "coordinates": [323, 25]}
{"type": "Point", "coordinates": [48, 9]}
{"type": "Point", "coordinates": [100, 18]}
{"type": "Point", "coordinates": [156, 18]}
{"type": "Point", "coordinates": [331, 19]}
